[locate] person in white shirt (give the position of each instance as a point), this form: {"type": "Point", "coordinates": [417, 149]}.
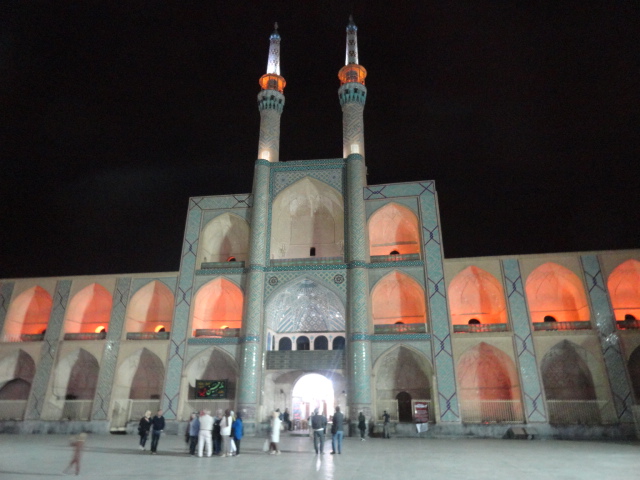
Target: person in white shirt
{"type": "Point", "coordinates": [204, 435]}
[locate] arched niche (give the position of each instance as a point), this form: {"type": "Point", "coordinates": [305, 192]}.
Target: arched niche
{"type": "Point", "coordinates": [400, 370]}
{"type": "Point", "coordinates": [393, 228]}
{"type": "Point", "coordinates": [305, 305]}
{"type": "Point", "coordinates": [321, 343]}
{"type": "Point", "coordinates": [76, 376]}
{"type": "Point", "coordinates": [307, 215]}
{"type": "Point", "coordinates": [16, 375]}
{"type": "Point", "coordinates": [224, 237]}
{"type": "Point", "coordinates": [28, 314]}
{"type": "Point", "coordinates": [140, 376]}
{"type": "Point", "coordinates": [218, 304]}
{"type": "Point", "coordinates": [566, 375]}
{"type": "Point", "coordinates": [487, 373]}
{"type": "Point", "coordinates": [476, 294]}
{"type": "Point", "coordinates": [284, 343]}
{"type": "Point", "coordinates": [398, 298]}
{"type": "Point", "coordinates": [555, 291]}
{"type": "Point", "coordinates": [89, 310]}
{"type": "Point", "coordinates": [150, 309]}
{"type": "Point", "coordinates": [624, 289]}
{"type": "Point", "coordinates": [213, 364]}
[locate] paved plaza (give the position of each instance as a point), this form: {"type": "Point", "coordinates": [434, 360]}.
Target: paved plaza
{"type": "Point", "coordinates": [117, 456]}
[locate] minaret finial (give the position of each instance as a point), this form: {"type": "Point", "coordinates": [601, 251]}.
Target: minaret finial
{"type": "Point", "coordinates": [352, 42]}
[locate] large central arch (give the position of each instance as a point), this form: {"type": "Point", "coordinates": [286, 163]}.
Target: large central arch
{"type": "Point", "coordinates": [312, 391]}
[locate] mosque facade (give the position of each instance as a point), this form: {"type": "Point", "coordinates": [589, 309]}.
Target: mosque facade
{"type": "Point", "coordinates": [317, 290]}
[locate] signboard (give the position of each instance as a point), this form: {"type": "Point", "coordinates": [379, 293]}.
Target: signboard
{"type": "Point", "coordinates": [211, 389]}
{"type": "Point", "coordinates": [421, 412]}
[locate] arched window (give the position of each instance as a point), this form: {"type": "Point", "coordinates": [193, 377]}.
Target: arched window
{"type": "Point", "coordinates": [338, 343]}
{"type": "Point", "coordinates": [555, 291]}
{"type": "Point", "coordinates": [302, 343]}
{"type": "Point", "coordinates": [284, 343]}
{"type": "Point", "coordinates": [394, 228]}
{"type": "Point", "coordinates": [218, 305]}
{"type": "Point", "coordinates": [398, 298]}
{"type": "Point", "coordinates": [89, 310]}
{"type": "Point", "coordinates": [150, 309]}
{"type": "Point", "coordinates": [474, 321]}
{"type": "Point", "coordinates": [28, 314]}
{"type": "Point", "coordinates": [477, 295]}
{"type": "Point", "coordinates": [321, 343]}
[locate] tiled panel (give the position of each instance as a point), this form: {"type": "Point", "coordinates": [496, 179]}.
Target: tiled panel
{"type": "Point", "coordinates": [306, 360]}
{"type": "Point", "coordinates": [49, 350]}
{"type": "Point", "coordinates": [6, 290]}
{"type": "Point", "coordinates": [285, 175]}
{"type": "Point", "coordinates": [609, 339]}
{"type": "Point", "coordinates": [100, 408]}
{"type": "Point", "coordinates": [535, 409]}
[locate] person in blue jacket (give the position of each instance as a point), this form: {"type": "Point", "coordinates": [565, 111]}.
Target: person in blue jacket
{"type": "Point", "coordinates": [237, 428]}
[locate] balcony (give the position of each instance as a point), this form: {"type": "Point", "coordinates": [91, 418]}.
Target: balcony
{"type": "Point", "coordinates": [306, 360]}
{"type": "Point", "coordinates": [480, 328]}
{"type": "Point", "coordinates": [407, 257]}
{"type": "Point", "coordinates": [553, 326]}
{"type": "Point", "coordinates": [86, 336]}
{"type": "Point", "coordinates": [212, 265]}
{"type": "Point", "coordinates": [628, 324]}
{"type": "Point", "coordinates": [400, 328]}
{"type": "Point", "coordinates": [491, 411]}
{"type": "Point", "coordinates": [217, 332]}
{"type": "Point", "coordinates": [23, 337]}
{"type": "Point", "coordinates": [148, 335]}
{"type": "Point", "coordinates": [281, 262]}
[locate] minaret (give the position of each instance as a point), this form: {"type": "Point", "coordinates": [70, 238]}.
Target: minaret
{"type": "Point", "coordinates": [270, 103]}
{"type": "Point", "coordinates": [353, 95]}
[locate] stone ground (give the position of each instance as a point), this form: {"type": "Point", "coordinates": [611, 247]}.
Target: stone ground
{"type": "Point", "coordinates": [118, 457]}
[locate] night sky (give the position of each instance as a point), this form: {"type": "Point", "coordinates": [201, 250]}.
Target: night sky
{"type": "Point", "coordinates": [113, 114]}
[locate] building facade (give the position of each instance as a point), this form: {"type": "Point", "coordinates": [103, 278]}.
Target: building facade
{"type": "Point", "coordinates": [317, 290]}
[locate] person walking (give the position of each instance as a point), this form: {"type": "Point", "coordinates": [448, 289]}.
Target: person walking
{"type": "Point", "coordinates": [143, 428]}
{"type": "Point", "coordinates": [238, 431]}
{"type": "Point", "coordinates": [157, 426]}
{"type": "Point", "coordinates": [318, 425]}
{"type": "Point", "coordinates": [225, 433]}
{"type": "Point", "coordinates": [204, 433]}
{"type": "Point", "coordinates": [77, 442]}
{"type": "Point", "coordinates": [215, 434]}
{"type": "Point", "coordinates": [337, 430]}
{"type": "Point", "coordinates": [286, 419]}
{"type": "Point", "coordinates": [193, 430]}
{"type": "Point", "coordinates": [362, 426]}
{"type": "Point", "coordinates": [386, 425]}
{"type": "Point", "coordinates": [274, 435]}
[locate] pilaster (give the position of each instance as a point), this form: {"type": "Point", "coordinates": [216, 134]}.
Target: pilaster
{"type": "Point", "coordinates": [6, 290]}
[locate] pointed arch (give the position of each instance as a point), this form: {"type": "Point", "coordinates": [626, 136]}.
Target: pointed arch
{"type": "Point", "coordinates": [476, 294]}
{"type": "Point", "coordinates": [224, 237]}
{"type": "Point", "coordinates": [393, 228]}
{"type": "Point", "coordinates": [218, 304]}
{"type": "Point", "coordinates": [555, 291]}
{"type": "Point", "coordinates": [150, 308]}
{"type": "Point", "coordinates": [28, 314]}
{"type": "Point", "coordinates": [398, 298]}
{"type": "Point", "coordinates": [16, 375]}
{"type": "Point", "coordinates": [212, 364]}
{"type": "Point", "coordinates": [305, 305]}
{"type": "Point", "coordinates": [308, 214]}
{"type": "Point", "coordinates": [141, 376]}
{"type": "Point", "coordinates": [565, 373]}
{"type": "Point", "coordinates": [624, 289]}
{"type": "Point", "coordinates": [89, 310]}
{"type": "Point", "coordinates": [76, 376]}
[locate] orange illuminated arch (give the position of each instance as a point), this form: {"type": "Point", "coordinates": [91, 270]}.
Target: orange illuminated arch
{"type": "Point", "coordinates": [394, 228]}
{"type": "Point", "coordinates": [624, 289]}
{"type": "Point", "coordinates": [555, 291]}
{"type": "Point", "coordinates": [475, 294]}
{"type": "Point", "coordinates": [150, 308]}
{"type": "Point", "coordinates": [218, 304]}
{"type": "Point", "coordinates": [89, 309]}
{"type": "Point", "coordinates": [398, 298]}
{"type": "Point", "coordinates": [28, 314]}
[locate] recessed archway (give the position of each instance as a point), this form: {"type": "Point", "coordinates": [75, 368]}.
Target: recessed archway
{"type": "Point", "coordinates": [312, 391]}
{"type": "Point", "coordinates": [150, 309]}
{"type": "Point", "coordinates": [28, 314]}
{"type": "Point", "coordinates": [89, 309]}
{"type": "Point", "coordinates": [218, 305]}
{"type": "Point", "coordinates": [476, 296]}
{"type": "Point", "coordinates": [393, 230]}
{"type": "Point", "coordinates": [224, 239]}
{"type": "Point", "coordinates": [398, 298]}
{"type": "Point", "coordinates": [624, 290]}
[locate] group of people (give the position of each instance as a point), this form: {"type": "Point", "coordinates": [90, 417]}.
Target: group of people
{"type": "Point", "coordinates": [219, 435]}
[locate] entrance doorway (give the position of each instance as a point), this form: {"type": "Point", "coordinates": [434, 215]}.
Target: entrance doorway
{"type": "Point", "coordinates": [310, 392]}
{"type": "Point", "coordinates": [404, 407]}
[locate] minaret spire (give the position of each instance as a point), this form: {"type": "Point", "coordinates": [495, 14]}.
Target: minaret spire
{"type": "Point", "coordinates": [271, 102]}
{"type": "Point", "coordinates": [353, 95]}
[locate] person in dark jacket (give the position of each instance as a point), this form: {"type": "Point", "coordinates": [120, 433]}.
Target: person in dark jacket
{"type": "Point", "coordinates": [318, 425]}
{"type": "Point", "coordinates": [157, 426]}
{"type": "Point", "coordinates": [362, 425]}
{"type": "Point", "coordinates": [143, 428]}
{"type": "Point", "coordinates": [337, 430]}
{"type": "Point", "coordinates": [238, 431]}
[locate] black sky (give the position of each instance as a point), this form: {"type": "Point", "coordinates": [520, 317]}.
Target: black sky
{"type": "Point", "coordinates": [526, 114]}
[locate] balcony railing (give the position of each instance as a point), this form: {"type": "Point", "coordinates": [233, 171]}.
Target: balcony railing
{"type": "Point", "coordinates": [547, 326]}
{"type": "Point", "coordinates": [480, 328]}
{"type": "Point", "coordinates": [400, 328]}
{"type": "Point", "coordinates": [23, 337]}
{"type": "Point", "coordinates": [576, 412]}
{"type": "Point", "coordinates": [275, 262]}
{"type": "Point", "coordinates": [628, 324]}
{"type": "Point", "coordinates": [86, 336]}
{"type": "Point", "coordinates": [12, 409]}
{"type": "Point", "coordinates": [491, 411]}
{"type": "Point", "coordinates": [77, 409]}
{"type": "Point", "coordinates": [217, 332]}
{"type": "Point", "coordinates": [211, 265]}
{"type": "Point", "coordinates": [395, 258]}
{"type": "Point", "coordinates": [148, 336]}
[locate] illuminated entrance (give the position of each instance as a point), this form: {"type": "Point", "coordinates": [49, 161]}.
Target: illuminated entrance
{"type": "Point", "coordinates": [310, 392]}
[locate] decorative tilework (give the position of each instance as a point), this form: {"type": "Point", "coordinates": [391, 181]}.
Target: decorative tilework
{"type": "Point", "coordinates": [48, 351]}
{"type": "Point", "coordinates": [609, 341]}
{"type": "Point", "coordinates": [286, 176]}
{"type": "Point", "coordinates": [100, 407]}
{"type": "Point", "coordinates": [323, 277]}
{"type": "Point", "coordinates": [389, 265]}
{"type": "Point", "coordinates": [214, 341]}
{"type": "Point", "coordinates": [535, 409]}
{"type": "Point", "coordinates": [378, 349]}
{"type": "Point", "coordinates": [6, 290]}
